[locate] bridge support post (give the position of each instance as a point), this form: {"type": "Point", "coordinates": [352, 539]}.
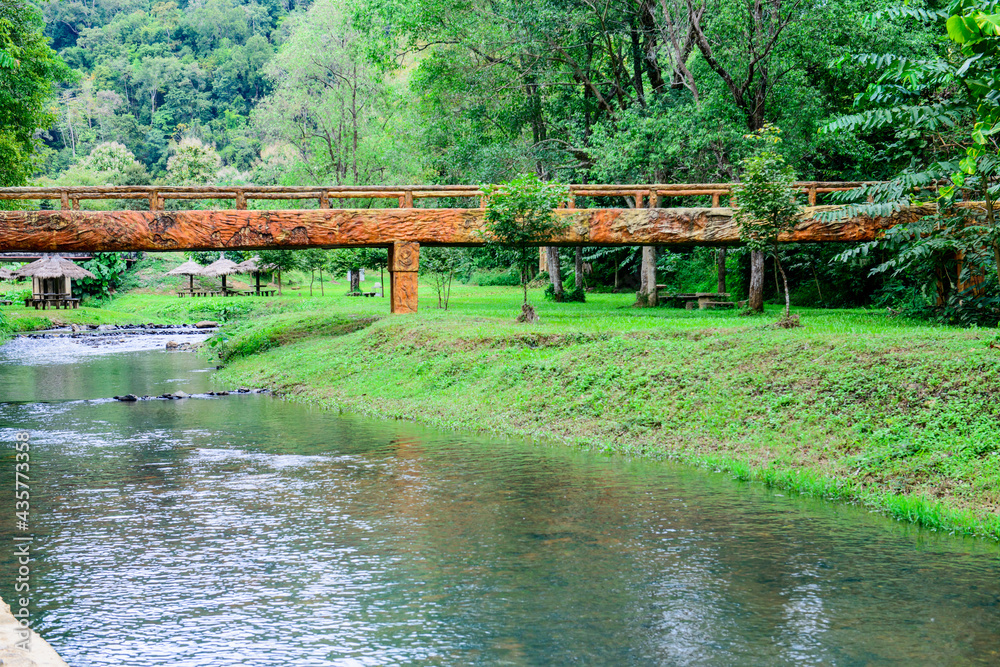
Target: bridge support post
{"type": "Point", "coordinates": [404, 261]}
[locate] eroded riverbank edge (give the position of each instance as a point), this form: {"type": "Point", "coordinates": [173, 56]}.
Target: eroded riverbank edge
{"type": "Point", "coordinates": [904, 425]}
{"type": "Point", "coordinates": [38, 654]}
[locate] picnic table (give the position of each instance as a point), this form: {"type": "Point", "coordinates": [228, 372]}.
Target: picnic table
{"type": "Point", "coordinates": [700, 300]}
{"type": "Point", "coordinates": [198, 292]}
{"type": "Point", "coordinates": [56, 300]}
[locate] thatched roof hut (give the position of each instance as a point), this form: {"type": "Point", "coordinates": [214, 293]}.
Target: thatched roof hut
{"type": "Point", "coordinates": [221, 267]}
{"type": "Point", "coordinates": [5, 274]}
{"type": "Point", "coordinates": [52, 275]}
{"type": "Point", "coordinates": [53, 266]}
{"type": "Point", "coordinates": [190, 269]}
{"type": "Point", "coordinates": [252, 265]}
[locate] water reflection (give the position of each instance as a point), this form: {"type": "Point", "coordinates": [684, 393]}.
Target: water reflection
{"type": "Point", "coordinates": [245, 530]}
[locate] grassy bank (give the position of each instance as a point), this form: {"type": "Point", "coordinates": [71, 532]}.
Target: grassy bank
{"type": "Point", "coordinates": [898, 415]}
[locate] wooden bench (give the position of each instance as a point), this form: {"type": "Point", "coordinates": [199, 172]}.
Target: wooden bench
{"type": "Point", "coordinates": [701, 300]}
{"type": "Point", "coordinates": [6, 302]}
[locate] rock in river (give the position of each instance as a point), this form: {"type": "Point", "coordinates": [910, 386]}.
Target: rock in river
{"type": "Point", "coordinates": [206, 324]}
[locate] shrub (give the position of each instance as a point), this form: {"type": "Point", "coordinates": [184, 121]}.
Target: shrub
{"type": "Point", "coordinates": [569, 294]}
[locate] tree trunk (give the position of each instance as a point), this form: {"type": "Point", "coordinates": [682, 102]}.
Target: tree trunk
{"type": "Point", "coordinates": [355, 280]}
{"type": "Point", "coordinates": [819, 290]}
{"type": "Point", "coordinates": [578, 267]}
{"type": "Point", "coordinates": [756, 301]}
{"type": "Point", "coordinates": [321, 283]}
{"type": "Point", "coordinates": [279, 282]}
{"type": "Point", "coordinates": [784, 279]}
{"type": "Point", "coordinates": [312, 277]}
{"type": "Point", "coordinates": [647, 278]}
{"type": "Point", "coordinates": [554, 273]}
{"type": "Point", "coordinates": [720, 265]}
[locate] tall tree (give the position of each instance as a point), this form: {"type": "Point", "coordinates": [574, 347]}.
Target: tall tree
{"type": "Point", "coordinates": [28, 69]}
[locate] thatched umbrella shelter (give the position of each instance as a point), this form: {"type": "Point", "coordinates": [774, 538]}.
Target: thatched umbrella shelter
{"type": "Point", "coordinates": [5, 274]}
{"type": "Point", "coordinates": [221, 267]}
{"type": "Point", "coordinates": [52, 275]}
{"type": "Point", "coordinates": [190, 269]}
{"type": "Point", "coordinates": [253, 266]}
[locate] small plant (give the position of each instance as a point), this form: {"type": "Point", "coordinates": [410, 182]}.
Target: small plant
{"type": "Point", "coordinates": [520, 215]}
{"type": "Point", "coordinates": [441, 264]}
{"type": "Point", "coordinates": [766, 201]}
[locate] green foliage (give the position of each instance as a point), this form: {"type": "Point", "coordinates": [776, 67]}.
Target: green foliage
{"type": "Point", "coordinates": [520, 215]}
{"type": "Point", "coordinates": [281, 260]}
{"type": "Point", "coordinates": [28, 69]}
{"type": "Point", "coordinates": [765, 197]}
{"type": "Point", "coordinates": [766, 201]}
{"type": "Point", "coordinates": [110, 157]}
{"type": "Point", "coordinates": [577, 294]}
{"type": "Point", "coordinates": [109, 271]}
{"type": "Point", "coordinates": [193, 163]}
{"type": "Point", "coordinates": [945, 112]}
{"type": "Point", "coordinates": [206, 257]}
{"type": "Point", "coordinates": [508, 278]}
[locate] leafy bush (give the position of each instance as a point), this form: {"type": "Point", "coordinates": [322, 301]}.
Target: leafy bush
{"type": "Point", "coordinates": [506, 279]}
{"type": "Point", "coordinates": [569, 294]}
{"type": "Point", "coordinates": [108, 269]}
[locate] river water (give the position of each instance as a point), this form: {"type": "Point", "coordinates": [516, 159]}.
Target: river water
{"type": "Point", "coordinates": [246, 530]}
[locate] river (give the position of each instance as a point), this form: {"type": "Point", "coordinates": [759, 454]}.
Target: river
{"type": "Point", "coordinates": [248, 530]}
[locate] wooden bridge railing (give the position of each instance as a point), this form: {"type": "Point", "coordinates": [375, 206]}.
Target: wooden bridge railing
{"type": "Point", "coordinates": [406, 196]}
{"type": "Point", "coordinates": [402, 228]}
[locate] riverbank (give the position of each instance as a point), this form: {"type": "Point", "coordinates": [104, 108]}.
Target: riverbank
{"type": "Point", "coordinates": [855, 406]}
{"type": "Point", "coordinates": [12, 654]}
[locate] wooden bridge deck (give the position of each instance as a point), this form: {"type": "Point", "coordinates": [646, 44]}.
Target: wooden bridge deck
{"type": "Point", "coordinates": [643, 218]}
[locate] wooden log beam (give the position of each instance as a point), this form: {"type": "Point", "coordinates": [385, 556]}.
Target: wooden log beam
{"type": "Point", "coordinates": [103, 231]}
{"type": "Point", "coordinates": [404, 262]}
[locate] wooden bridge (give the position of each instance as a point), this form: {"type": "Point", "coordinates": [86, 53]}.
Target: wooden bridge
{"type": "Point", "coordinates": [239, 218]}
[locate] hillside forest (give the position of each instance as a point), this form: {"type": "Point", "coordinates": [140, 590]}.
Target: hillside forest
{"type": "Point", "coordinates": [292, 92]}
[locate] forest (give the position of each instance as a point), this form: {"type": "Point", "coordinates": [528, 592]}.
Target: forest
{"type": "Point", "coordinates": [293, 92]}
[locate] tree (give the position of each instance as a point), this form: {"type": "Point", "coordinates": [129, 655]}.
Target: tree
{"type": "Point", "coordinates": [352, 260]}
{"type": "Point", "coordinates": [278, 260]}
{"type": "Point", "coordinates": [943, 112]}
{"type": "Point", "coordinates": [441, 264]}
{"type": "Point", "coordinates": [193, 163]}
{"type": "Point", "coordinates": [766, 199]}
{"type": "Point", "coordinates": [314, 259]}
{"type": "Point", "coordinates": [346, 122]}
{"type": "Point", "coordinates": [28, 68]}
{"type": "Point", "coordinates": [520, 214]}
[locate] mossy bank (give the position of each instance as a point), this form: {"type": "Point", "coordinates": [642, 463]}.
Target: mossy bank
{"type": "Point", "coordinates": [854, 406]}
